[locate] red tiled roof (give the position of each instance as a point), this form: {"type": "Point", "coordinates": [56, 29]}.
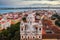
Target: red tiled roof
{"type": "Point", "coordinates": [43, 31]}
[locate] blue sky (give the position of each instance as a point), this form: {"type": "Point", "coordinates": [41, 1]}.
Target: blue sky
{"type": "Point", "coordinates": [28, 3]}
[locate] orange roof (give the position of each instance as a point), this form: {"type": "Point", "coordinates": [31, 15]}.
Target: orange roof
{"type": "Point", "coordinates": [43, 31]}
{"type": "Point", "coordinates": [12, 22]}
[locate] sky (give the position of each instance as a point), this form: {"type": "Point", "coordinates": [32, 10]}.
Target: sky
{"type": "Point", "coordinates": [29, 3]}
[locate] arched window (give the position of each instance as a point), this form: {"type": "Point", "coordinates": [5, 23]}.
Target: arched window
{"type": "Point", "coordinates": [28, 37]}
{"type": "Point", "coordinates": [22, 36]}
{"type": "Point", "coordinates": [26, 27]}
{"type": "Point", "coordinates": [33, 36]}
{"type": "Point", "coordinates": [39, 28]}
{"type": "Point", "coordinates": [22, 29]}
{"type": "Point", "coordinates": [36, 28]}
{"type": "Point", "coordinates": [39, 36]}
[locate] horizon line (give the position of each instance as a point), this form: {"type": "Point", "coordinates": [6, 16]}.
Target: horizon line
{"type": "Point", "coordinates": [29, 8]}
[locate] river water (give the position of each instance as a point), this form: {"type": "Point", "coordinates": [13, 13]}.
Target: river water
{"type": "Point", "coordinates": [21, 10]}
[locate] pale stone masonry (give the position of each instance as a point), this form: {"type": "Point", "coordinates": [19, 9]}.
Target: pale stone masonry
{"type": "Point", "coordinates": [31, 29]}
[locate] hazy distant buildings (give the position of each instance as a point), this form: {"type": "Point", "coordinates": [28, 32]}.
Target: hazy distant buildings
{"type": "Point", "coordinates": [4, 23]}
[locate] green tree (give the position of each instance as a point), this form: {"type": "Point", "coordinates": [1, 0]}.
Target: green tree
{"type": "Point", "coordinates": [55, 16]}
{"type": "Point", "coordinates": [57, 22]}
{"type": "Point", "coordinates": [11, 33]}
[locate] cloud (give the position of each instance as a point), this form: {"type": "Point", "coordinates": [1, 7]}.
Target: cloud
{"type": "Point", "coordinates": [31, 2]}
{"type": "Point", "coordinates": [28, 2]}
{"type": "Point", "coordinates": [40, 0]}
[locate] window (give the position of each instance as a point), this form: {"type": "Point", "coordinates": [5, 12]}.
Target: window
{"type": "Point", "coordinates": [36, 28]}
{"type": "Point", "coordinates": [33, 36]}
{"type": "Point", "coordinates": [48, 31]}
{"type": "Point", "coordinates": [39, 36]}
{"type": "Point", "coordinates": [39, 28]}
{"type": "Point", "coordinates": [26, 27]}
{"type": "Point", "coordinates": [22, 36]}
{"type": "Point", "coordinates": [22, 29]}
{"type": "Point", "coordinates": [28, 37]}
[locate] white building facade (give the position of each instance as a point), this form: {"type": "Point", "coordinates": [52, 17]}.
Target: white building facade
{"type": "Point", "coordinates": [31, 29]}
{"type": "Point", "coordinates": [4, 23]}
